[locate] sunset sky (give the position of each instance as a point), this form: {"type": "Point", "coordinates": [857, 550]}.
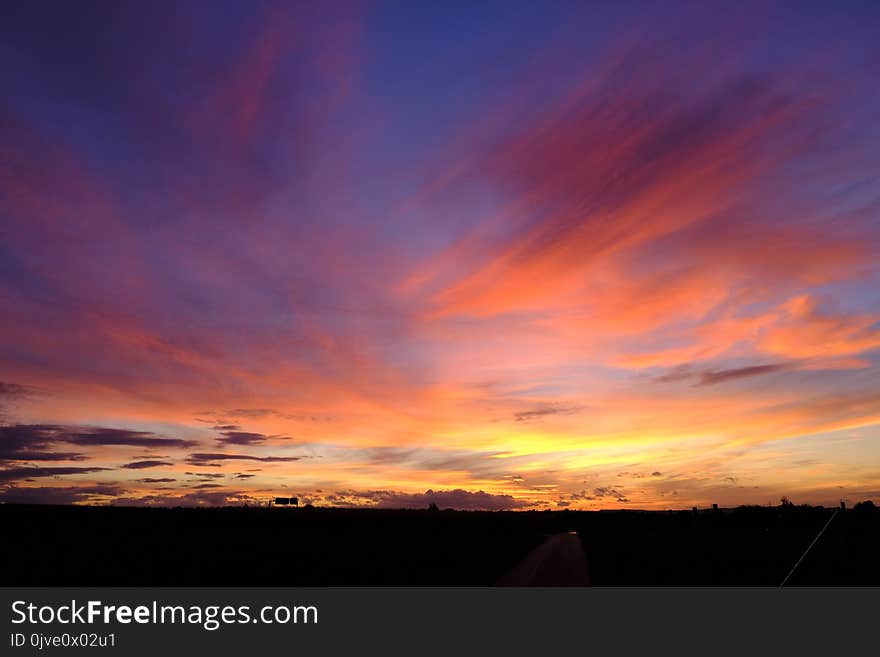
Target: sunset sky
{"type": "Point", "coordinates": [491, 255]}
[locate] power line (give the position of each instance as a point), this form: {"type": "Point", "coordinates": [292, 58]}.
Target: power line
{"type": "Point", "coordinates": [809, 547]}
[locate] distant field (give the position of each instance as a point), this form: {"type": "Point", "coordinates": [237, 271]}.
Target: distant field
{"type": "Point", "coordinates": [45, 545]}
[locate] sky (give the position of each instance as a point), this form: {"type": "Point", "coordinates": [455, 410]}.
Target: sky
{"type": "Point", "coordinates": [493, 255]}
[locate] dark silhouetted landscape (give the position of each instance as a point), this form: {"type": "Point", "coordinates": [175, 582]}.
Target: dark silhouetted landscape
{"type": "Point", "coordinates": [101, 546]}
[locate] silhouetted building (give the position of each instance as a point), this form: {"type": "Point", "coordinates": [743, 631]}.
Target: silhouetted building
{"type": "Point", "coordinates": [282, 501]}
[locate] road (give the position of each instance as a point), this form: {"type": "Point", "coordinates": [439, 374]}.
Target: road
{"type": "Point", "coordinates": [558, 561]}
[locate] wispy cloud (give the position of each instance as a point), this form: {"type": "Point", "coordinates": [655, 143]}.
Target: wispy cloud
{"type": "Point", "coordinates": [141, 465]}
{"type": "Point", "coordinates": [208, 459]}
{"type": "Point", "coordinates": [25, 473]}
{"type": "Point", "coordinates": [544, 411]}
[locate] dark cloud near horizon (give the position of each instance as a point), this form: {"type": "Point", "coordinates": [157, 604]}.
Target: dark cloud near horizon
{"type": "Point", "coordinates": [610, 491]}
{"type": "Point", "coordinates": [601, 492]}
{"type": "Point", "coordinates": [453, 499]}
{"type": "Point", "coordinates": [211, 458]}
{"type": "Point", "coordinates": [204, 498]}
{"type": "Point", "coordinates": [141, 465]}
{"type": "Point", "coordinates": [159, 480]}
{"type": "Point", "coordinates": [58, 495]}
{"type": "Point", "coordinates": [104, 436]}
{"type": "Point", "coordinates": [242, 438]}
{"type": "Point", "coordinates": [32, 442]}
{"type": "Point", "coordinates": [24, 473]}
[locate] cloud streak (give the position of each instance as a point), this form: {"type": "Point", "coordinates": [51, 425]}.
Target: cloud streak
{"type": "Point", "coordinates": [24, 473]}
{"type": "Point", "coordinates": [141, 465]}
{"type": "Point", "coordinates": [210, 458]}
